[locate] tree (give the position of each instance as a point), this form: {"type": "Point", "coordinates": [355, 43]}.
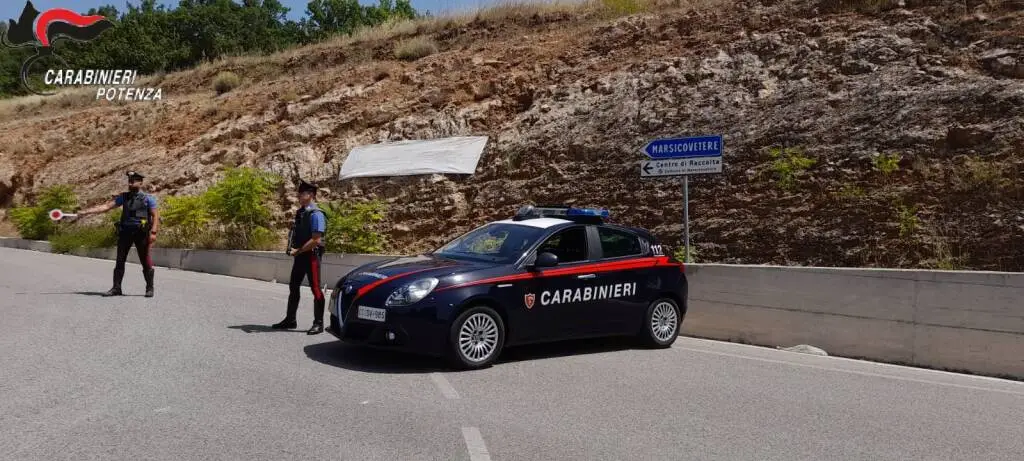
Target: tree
{"type": "Point", "coordinates": [150, 37]}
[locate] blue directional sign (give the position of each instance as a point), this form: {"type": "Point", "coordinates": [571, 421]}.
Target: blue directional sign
{"type": "Point", "coordinates": [697, 146]}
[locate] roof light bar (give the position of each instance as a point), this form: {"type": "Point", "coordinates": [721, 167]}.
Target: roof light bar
{"type": "Point", "coordinates": [566, 212]}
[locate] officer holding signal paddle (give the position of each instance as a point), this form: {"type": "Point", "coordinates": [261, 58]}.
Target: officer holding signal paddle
{"type": "Point", "coordinates": [139, 225]}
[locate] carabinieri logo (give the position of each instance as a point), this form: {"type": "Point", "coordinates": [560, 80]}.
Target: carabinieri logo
{"type": "Point", "coordinates": [41, 30]}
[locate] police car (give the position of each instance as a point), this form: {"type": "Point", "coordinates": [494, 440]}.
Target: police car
{"type": "Point", "coordinates": [547, 274]}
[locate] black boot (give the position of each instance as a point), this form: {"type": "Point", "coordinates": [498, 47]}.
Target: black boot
{"type": "Point", "coordinates": [115, 291]}
{"type": "Point", "coordinates": [316, 329]}
{"type": "Point", "coordinates": [149, 282]}
{"type": "Point", "coordinates": [285, 324]}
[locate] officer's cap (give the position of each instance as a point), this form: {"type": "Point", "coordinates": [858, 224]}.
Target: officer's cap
{"type": "Point", "coordinates": [306, 187]}
{"type": "Point", "coordinates": [132, 176]}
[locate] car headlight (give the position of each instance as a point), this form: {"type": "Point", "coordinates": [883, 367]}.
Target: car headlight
{"type": "Point", "coordinates": [411, 293]}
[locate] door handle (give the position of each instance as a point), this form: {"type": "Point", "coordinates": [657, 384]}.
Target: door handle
{"type": "Point", "coordinates": [587, 276]}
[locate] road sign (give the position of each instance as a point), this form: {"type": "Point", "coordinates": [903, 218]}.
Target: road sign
{"type": "Point", "coordinates": [680, 167]}
{"type": "Point", "coordinates": [683, 157]}
{"type": "Point", "coordinates": [697, 146]}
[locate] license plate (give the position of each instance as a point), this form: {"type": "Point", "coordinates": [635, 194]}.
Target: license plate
{"type": "Point", "coordinates": [371, 313]}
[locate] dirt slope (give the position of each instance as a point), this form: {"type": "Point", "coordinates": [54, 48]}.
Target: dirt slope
{"type": "Point", "coordinates": [569, 97]}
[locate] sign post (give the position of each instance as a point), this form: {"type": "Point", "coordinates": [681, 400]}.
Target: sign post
{"type": "Point", "coordinates": [686, 214]}
{"type": "Point", "coordinates": [683, 157]}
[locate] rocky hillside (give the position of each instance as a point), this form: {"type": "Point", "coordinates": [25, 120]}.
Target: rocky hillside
{"type": "Point", "coordinates": [857, 133]}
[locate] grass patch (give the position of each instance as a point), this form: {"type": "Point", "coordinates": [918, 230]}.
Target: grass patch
{"type": "Point", "coordinates": [84, 237]}
{"type": "Point", "coordinates": [886, 164]}
{"type": "Point", "coordinates": [943, 256]}
{"type": "Point", "coordinates": [788, 164]}
{"type": "Point", "coordinates": [907, 219]}
{"type": "Point", "coordinates": [850, 192]}
{"type": "Point", "coordinates": [225, 82]}
{"type": "Point", "coordinates": [983, 174]}
{"type": "Point", "coordinates": [415, 48]}
{"type": "Point", "coordinates": [623, 7]}
{"type": "Point", "coordinates": [66, 98]}
{"type": "Point", "coordinates": [680, 253]}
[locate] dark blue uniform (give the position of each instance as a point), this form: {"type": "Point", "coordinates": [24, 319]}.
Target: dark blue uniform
{"type": "Point", "coordinates": [307, 265]}
{"type": "Point", "coordinates": [133, 229]}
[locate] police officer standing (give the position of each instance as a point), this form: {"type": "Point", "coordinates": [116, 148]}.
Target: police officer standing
{"type": "Point", "coordinates": [307, 248]}
{"type": "Point", "coordinates": [139, 224]}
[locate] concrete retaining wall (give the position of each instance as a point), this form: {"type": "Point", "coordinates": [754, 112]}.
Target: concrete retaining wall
{"type": "Point", "coordinates": [260, 265]}
{"type": "Point", "coordinates": [970, 321]}
{"type": "Point", "coordinates": [957, 320]}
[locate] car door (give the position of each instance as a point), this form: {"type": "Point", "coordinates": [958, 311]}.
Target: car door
{"type": "Point", "coordinates": [559, 311]}
{"type": "Point", "coordinates": [630, 283]}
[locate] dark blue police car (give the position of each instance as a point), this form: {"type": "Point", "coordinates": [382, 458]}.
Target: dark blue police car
{"type": "Point", "coordinates": [549, 273]}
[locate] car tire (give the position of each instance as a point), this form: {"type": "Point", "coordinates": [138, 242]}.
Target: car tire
{"type": "Point", "coordinates": [661, 323]}
{"type": "Point", "coordinates": [476, 338]}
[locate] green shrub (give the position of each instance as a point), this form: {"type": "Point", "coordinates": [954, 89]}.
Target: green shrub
{"type": "Point", "coordinates": [415, 48]}
{"type": "Point", "coordinates": [680, 254]}
{"type": "Point", "coordinates": [226, 81]}
{"type": "Point", "coordinates": [87, 237]}
{"type": "Point", "coordinates": [350, 227]}
{"type": "Point", "coordinates": [186, 222]}
{"type": "Point", "coordinates": [887, 164]}
{"type": "Point", "coordinates": [232, 215]}
{"type": "Point", "coordinates": [239, 203]}
{"type": "Point", "coordinates": [788, 164]}
{"type": "Point", "coordinates": [33, 222]}
{"type": "Point", "coordinates": [908, 220]}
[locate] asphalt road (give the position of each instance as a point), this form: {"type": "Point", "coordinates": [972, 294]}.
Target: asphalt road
{"type": "Point", "coordinates": [194, 374]}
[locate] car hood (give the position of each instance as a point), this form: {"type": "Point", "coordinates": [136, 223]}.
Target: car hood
{"type": "Point", "coordinates": [407, 269]}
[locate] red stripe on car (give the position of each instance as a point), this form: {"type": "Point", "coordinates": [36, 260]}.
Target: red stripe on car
{"type": "Point", "coordinates": [362, 291]}
{"type": "Point", "coordinates": [638, 263]}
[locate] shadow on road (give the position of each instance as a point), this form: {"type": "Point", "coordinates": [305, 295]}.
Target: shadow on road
{"type": "Point", "coordinates": [371, 360]}
{"type": "Point", "coordinates": [81, 293]}
{"type": "Point", "coordinates": [262, 329]}
{"type": "Point", "coordinates": [567, 348]}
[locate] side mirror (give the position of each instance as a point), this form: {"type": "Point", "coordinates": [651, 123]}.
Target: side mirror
{"type": "Point", "coordinates": [546, 260]}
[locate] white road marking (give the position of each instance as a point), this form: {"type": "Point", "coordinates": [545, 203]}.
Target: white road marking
{"type": "Point", "coordinates": [854, 372]}
{"type": "Point", "coordinates": [161, 410]}
{"type": "Point", "coordinates": [443, 384]}
{"type": "Point", "coordinates": [475, 444]}
{"type": "Point", "coordinates": [847, 359]}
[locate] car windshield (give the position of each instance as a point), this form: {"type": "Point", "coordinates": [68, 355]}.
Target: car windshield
{"type": "Point", "coordinates": [496, 242]}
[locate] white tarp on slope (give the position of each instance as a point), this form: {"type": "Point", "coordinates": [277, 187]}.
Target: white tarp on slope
{"type": "Point", "coordinates": [458, 155]}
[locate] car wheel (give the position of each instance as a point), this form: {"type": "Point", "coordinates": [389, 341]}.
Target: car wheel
{"type": "Point", "coordinates": [661, 323]}
{"type": "Point", "coordinates": [476, 338]}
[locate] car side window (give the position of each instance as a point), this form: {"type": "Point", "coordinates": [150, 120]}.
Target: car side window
{"type": "Point", "coordinates": [616, 243]}
{"type": "Point", "coordinates": [569, 245]}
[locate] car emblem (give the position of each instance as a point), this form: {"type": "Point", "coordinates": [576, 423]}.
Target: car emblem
{"type": "Point", "coordinates": [348, 289]}
{"type": "Point", "coordinates": [529, 300]}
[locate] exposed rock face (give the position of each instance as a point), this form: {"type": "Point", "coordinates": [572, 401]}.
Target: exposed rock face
{"type": "Point", "coordinates": [568, 103]}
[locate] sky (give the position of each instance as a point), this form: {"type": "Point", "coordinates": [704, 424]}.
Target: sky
{"type": "Point", "coordinates": [11, 9]}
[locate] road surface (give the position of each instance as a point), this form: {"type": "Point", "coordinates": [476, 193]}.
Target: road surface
{"type": "Point", "coordinates": [194, 374]}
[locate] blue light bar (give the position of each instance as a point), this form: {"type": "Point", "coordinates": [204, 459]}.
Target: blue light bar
{"type": "Point", "coordinates": [587, 212]}
{"type": "Point", "coordinates": [532, 212]}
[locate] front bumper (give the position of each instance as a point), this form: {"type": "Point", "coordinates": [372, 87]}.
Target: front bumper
{"type": "Point", "coordinates": [411, 329]}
